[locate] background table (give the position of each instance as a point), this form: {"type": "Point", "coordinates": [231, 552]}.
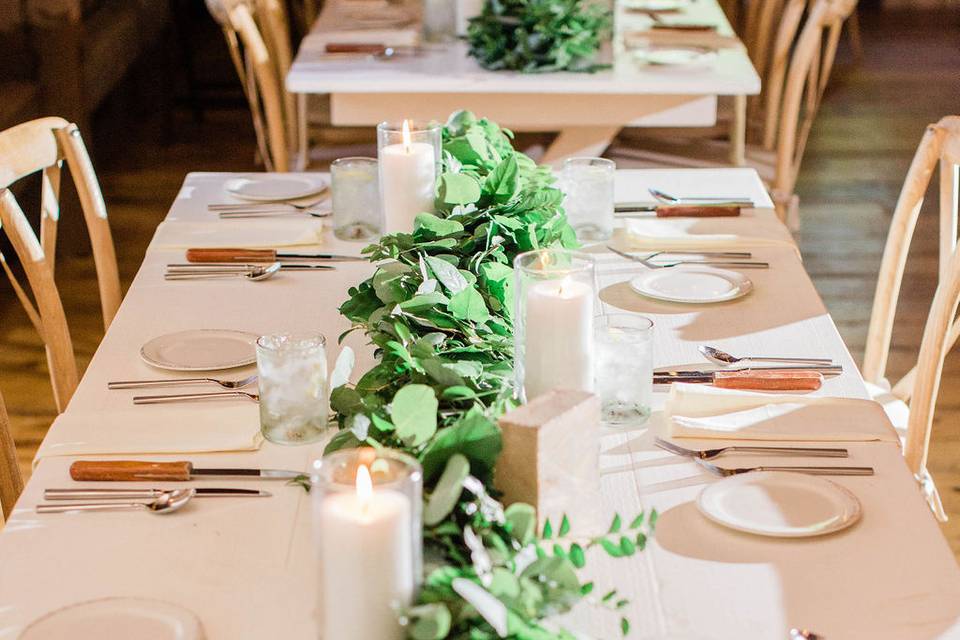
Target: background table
{"type": "Point", "coordinates": [587, 109]}
{"type": "Point", "coordinates": [245, 566]}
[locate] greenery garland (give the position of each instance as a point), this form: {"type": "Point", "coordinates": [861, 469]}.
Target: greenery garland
{"type": "Point", "coordinates": [535, 36]}
{"type": "Point", "coordinates": [438, 310]}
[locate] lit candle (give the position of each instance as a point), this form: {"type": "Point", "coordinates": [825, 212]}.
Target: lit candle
{"type": "Point", "coordinates": [366, 556]}
{"type": "Point", "coordinates": [408, 177]}
{"type": "Point", "coordinates": [558, 337]}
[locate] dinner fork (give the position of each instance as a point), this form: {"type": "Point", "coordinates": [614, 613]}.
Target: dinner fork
{"type": "Point", "coordinates": [188, 397]}
{"type": "Point", "coordinates": [724, 472]}
{"type": "Point", "coordinates": [139, 384]}
{"type": "Point", "coordinates": [254, 206]}
{"type": "Point", "coordinates": [647, 261]}
{"type": "Point", "coordinates": [710, 454]}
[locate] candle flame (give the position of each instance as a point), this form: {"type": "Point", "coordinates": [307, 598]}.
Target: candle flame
{"type": "Point", "coordinates": [406, 135]}
{"type": "Point", "coordinates": [564, 283]}
{"type": "Point", "coordinates": [364, 486]}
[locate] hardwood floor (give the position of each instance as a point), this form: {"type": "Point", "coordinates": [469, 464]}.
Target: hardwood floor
{"type": "Point", "coordinates": [865, 135]}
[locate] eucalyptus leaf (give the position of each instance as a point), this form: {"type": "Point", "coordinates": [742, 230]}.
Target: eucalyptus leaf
{"type": "Point", "coordinates": [458, 188]}
{"type": "Point", "coordinates": [429, 226]}
{"type": "Point", "coordinates": [414, 413]}
{"type": "Point", "coordinates": [447, 274]}
{"type": "Point", "coordinates": [447, 490]}
{"type": "Point", "coordinates": [468, 304]}
{"type": "Point", "coordinates": [522, 519]}
{"type": "Point", "coordinates": [429, 622]}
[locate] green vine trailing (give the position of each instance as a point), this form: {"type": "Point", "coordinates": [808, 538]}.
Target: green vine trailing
{"type": "Point", "coordinates": [438, 310]}
{"type": "Point", "coordinates": [536, 36]}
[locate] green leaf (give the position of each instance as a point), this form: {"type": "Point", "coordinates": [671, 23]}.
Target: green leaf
{"type": "Point", "coordinates": [627, 546]}
{"type": "Point", "coordinates": [388, 282]}
{"type": "Point", "coordinates": [615, 525]}
{"type": "Point", "coordinates": [346, 401]}
{"type": "Point", "coordinates": [547, 532]}
{"type": "Point", "coordinates": [613, 550]}
{"type": "Point", "coordinates": [448, 275]}
{"type": "Point", "coordinates": [624, 626]}
{"type": "Point", "coordinates": [587, 589]}
{"type": "Point", "coordinates": [564, 526]}
{"type": "Point", "coordinates": [343, 440]}
{"type": "Point", "coordinates": [429, 622]}
{"type": "Point", "coordinates": [653, 519]}
{"type": "Point", "coordinates": [577, 556]}
{"type": "Point", "coordinates": [522, 519]}
{"type": "Point", "coordinates": [637, 522]}
{"type": "Point", "coordinates": [424, 301]}
{"type": "Point", "coordinates": [468, 304]}
{"type": "Point", "coordinates": [501, 184]}
{"type": "Point", "coordinates": [447, 491]}
{"type": "Point", "coordinates": [475, 436]}
{"type": "Point", "coordinates": [414, 413]}
{"type": "Point", "coordinates": [641, 540]}
{"type": "Point", "coordinates": [458, 188]}
{"type": "Point", "coordinates": [430, 226]}
{"type": "Point", "coordinates": [609, 595]}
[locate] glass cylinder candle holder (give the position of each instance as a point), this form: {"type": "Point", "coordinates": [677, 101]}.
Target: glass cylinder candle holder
{"type": "Point", "coordinates": [588, 187]}
{"type": "Point", "coordinates": [554, 298]}
{"type": "Point", "coordinates": [368, 530]}
{"type": "Point", "coordinates": [292, 376]}
{"type": "Point", "coordinates": [409, 158]}
{"type": "Point", "coordinates": [624, 368]}
{"type": "Point", "coordinates": [355, 191]}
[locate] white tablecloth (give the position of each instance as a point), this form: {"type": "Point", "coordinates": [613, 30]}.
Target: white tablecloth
{"type": "Point", "coordinates": [245, 568]}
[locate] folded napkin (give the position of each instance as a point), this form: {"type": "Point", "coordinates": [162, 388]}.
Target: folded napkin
{"type": "Point", "coordinates": [655, 234]}
{"type": "Point", "coordinates": [154, 429]}
{"type": "Point", "coordinates": [250, 234]}
{"type": "Point", "coordinates": [680, 38]}
{"type": "Point", "coordinates": [702, 411]}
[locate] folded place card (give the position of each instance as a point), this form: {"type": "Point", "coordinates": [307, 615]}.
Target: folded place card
{"type": "Point", "coordinates": [702, 411]}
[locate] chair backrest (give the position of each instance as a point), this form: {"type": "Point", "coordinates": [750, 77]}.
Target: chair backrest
{"type": "Point", "coordinates": [797, 76]}
{"type": "Point", "coordinates": [43, 145]}
{"type": "Point", "coordinates": [11, 482]}
{"type": "Point", "coordinates": [940, 147]}
{"type": "Point", "coordinates": [258, 37]}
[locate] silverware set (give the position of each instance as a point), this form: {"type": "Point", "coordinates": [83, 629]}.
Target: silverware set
{"type": "Point", "coordinates": [269, 209]}
{"type": "Point", "coordinates": [666, 198]}
{"type": "Point", "coordinates": [710, 258]}
{"type": "Point", "coordinates": [163, 503]}
{"type": "Point", "coordinates": [703, 456]}
{"type": "Point", "coordinates": [231, 389]}
{"type": "Point", "coordinates": [191, 397]}
{"type": "Point", "coordinates": [248, 271]}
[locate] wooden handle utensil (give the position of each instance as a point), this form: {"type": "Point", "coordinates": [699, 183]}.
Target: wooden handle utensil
{"type": "Point", "coordinates": [231, 255]}
{"type": "Point", "coordinates": [769, 380]}
{"type": "Point", "coordinates": [355, 47]}
{"type": "Point", "coordinates": [697, 212]}
{"type": "Point", "coordinates": [93, 470]}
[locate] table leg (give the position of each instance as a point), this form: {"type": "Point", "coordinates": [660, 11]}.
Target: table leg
{"type": "Point", "coordinates": [579, 141]}
{"type": "Point", "coordinates": [303, 152]}
{"type": "Point", "coordinates": [738, 132]}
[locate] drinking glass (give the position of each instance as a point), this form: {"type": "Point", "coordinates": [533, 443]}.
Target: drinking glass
{"type": "Point", "coordinates": [588, 186]}
{"type": "Point", "coordinates": [624, 368]}
{"type": "Point", "coordinates": [554, 298]}
{"type": "Point", "coordinates": [369, 536]}
{"type": "Point", "coordinates": [355, 188]}
{"type": "Point", "coordinates": [292, 370]}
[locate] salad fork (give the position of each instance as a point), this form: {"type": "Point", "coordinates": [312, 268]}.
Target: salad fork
{"type": "Point", "coordinates": [255, 206]}
{"type": "Point", "coordinates": [724, 472]}
{"type": "Point", "coordinates": [647, 261]}
{"type": "Point", "coordinates": [139, 384]}
{"type": "Point", "coordinates": [710, 454]}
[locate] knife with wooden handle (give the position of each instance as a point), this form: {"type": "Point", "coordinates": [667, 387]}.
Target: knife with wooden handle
{"type": "Point", "coordinates": [181, 471]}
{"type": "Point", "coordinates": [789, 380]}
{"type": "Point", "coordinates": [238, 254]}
{"type": "Point", "coordinates": [678, 211]}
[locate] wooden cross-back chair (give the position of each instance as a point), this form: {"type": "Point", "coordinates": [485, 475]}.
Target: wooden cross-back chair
{"type": "Point", "coordinates": [939, 148]}
{"type": "Point", "coordinates": [258, 38]}
{"type": "Point", "coordinates": [11, 482]}
{"type": "Point", "coordinates": [797, 71]}
{"type": "Point", "coordinates": [43, 145]}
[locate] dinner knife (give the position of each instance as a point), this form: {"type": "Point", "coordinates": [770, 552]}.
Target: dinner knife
{"type": "Point", "coordinates": [146, 494]}
{"type": "Point", "coordinates": [754, 380]}
{"type": "Point", "coordinates": [675, 211]}
{"type": "Point", "coordinates": [261, 255]}
{"type": "Point", "coordinates": [826, 369]}
{"type": "Point", "coordinates": [95, 470]}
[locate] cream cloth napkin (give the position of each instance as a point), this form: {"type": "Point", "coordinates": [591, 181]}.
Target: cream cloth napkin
{"type": "Point", "coordinates": [653, 234]}
{"type": "Point", "coordinates": [155, 429]}
{"type": "Point", "coordinates": [702, 411]}
{"type": "Point", "coordinates": [249, 234]}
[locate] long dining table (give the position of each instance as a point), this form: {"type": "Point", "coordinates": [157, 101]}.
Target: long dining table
{"type": "Point", "coordinates": [245, 566]}
{"type": "Point", "coordinates": [588, 109]}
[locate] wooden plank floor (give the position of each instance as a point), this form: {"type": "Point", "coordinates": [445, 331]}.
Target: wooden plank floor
{"type": "Point", "coordinates": [862, 143]}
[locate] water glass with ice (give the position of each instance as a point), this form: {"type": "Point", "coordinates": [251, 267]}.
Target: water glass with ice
{"type": "Point", "coordinates": [292, 370]}
{"type": "Point", "coordinates": [355, 192]}
{"type": "Point", "coordinates": [624, 368]}
{"type": "Point", "coordinates": [588, 187]}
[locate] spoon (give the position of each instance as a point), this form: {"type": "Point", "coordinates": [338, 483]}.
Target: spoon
{"type": "Point", "coordinates": [166, 502]}
{"type": "Point", "coordinates": [669, 199]}
{"type": "Point", "coordinates": [256, 274]}
{"type": "Point", "coordinates": [804, 634]}
{"type": "Point", "coordinates": [717, 356]}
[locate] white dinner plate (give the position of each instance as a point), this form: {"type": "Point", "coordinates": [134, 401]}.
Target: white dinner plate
{"type": "Point", "coordinates": [782, 505]}
{"type": "Point", "coordinates": [269, 188]}
{"type": "Point", "coordinates": [656, 5]}
{"type": "Point", "coordinates": [692, 284]}
{"type": "Point", "coordinates": [201, 350]}
{"type": "Point", "coordinates": [138, 618]}
{"type": "Point", "coordinates": [675, 56]}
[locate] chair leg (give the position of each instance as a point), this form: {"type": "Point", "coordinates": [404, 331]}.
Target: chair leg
{"type": "Point", "coordinates": [853, 34]}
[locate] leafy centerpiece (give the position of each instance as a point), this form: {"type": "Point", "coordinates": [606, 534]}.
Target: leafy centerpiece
{"type": "Point", "coordinates": [536, 36]}
{"type": "Point", "coordinates": [438, 309]}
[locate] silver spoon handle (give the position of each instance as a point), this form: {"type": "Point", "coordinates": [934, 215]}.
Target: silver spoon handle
{"type": "Point", "coordinates": [823, 471]}
{"type": "Point", "coordinates": [89, 506]}
{"type": "Point", "coordinates": [793, 360]}
{"type": "Point", "coordinates": [102, 494]}
{"type": "Point", "coordinates": [137, 384]}
{"type": "Point", "coordinates": [814, 452]}
{"type": "Point", "coordinates": [187, 397]}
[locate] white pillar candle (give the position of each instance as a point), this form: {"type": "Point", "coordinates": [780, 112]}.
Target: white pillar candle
{"type": "Point", "coordinates": [558, 337]}
{"type": "Point", "coordinates": [366, 559]}
{"type": "Point", "coordinates": [408, 177]}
